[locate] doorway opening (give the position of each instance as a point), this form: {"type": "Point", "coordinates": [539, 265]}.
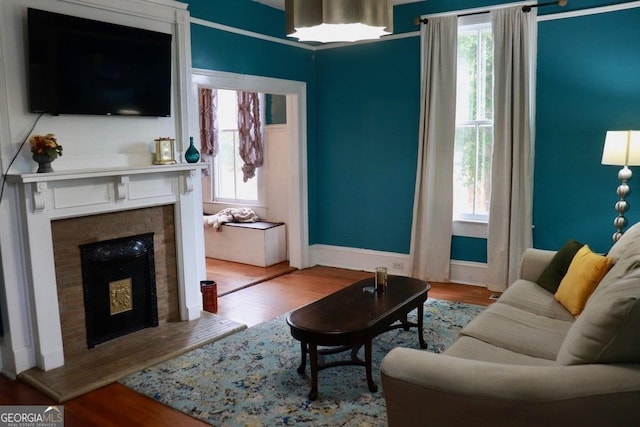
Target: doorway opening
{"type": "Point", "coordinates": [287, 192]}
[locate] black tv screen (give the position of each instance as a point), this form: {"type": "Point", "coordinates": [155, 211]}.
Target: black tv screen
{"type": "Point", "coordinates": [82, 66]}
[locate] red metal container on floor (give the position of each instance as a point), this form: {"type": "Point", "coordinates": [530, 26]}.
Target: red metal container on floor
{"type": "Point", "coordinates": [209, 291]}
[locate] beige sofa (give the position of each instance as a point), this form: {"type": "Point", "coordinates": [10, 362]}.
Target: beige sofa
{"type": "Point", "coordinates": [526, 361]}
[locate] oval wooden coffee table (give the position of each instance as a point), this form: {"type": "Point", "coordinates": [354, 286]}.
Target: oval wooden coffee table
{"type": "Point", "coordinates": [351, 318]}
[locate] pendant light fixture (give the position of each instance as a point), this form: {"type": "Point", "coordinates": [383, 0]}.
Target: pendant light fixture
{"type": "Point", "coordinates": [338, 20]}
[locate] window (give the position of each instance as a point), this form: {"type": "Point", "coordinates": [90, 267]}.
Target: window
{"type": "Point", "coordinates": [474, 120]}
{"type": "Point", "coordinates": [228, 185]}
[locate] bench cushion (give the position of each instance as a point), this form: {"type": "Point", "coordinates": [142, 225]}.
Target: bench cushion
{"type": "Point", "coordinates": [258, 225]}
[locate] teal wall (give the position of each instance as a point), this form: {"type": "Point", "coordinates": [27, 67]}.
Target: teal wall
{"type": "Point", "coordinates": [469, 249]}
{"type": "Point", "coordinates": [588, 83]}
{"type": "Point", "coordinates": [242, 14]}
{"type": "Point", "coordinates": [363, 103]}
{"type": "Point", "coordinates": [368, 111]}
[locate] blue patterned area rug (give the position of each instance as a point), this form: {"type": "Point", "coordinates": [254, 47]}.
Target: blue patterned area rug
{"type": "Point", "coordinates": [250, 378]}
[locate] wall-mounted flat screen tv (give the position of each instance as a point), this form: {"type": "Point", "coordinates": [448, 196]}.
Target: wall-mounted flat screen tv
{"type": "Point", "coordinates": [82, 66]}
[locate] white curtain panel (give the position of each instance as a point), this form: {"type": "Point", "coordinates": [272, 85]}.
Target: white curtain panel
{"type": "Point", "coordinates": [512, 162]}
{"type": "Point", "coordinates": [433, 201]}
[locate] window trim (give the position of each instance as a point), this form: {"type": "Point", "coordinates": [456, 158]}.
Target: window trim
{"type": "Point", "coordinates": [259, 174]}
{"type": "Point", "coordinates": [466, 224]}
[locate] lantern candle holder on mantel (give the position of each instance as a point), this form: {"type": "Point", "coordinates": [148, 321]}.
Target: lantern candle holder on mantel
{"type": "Point", "coordinates": [165, 151]}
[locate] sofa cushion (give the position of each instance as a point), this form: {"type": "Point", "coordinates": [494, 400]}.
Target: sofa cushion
{"type": "Point", "coordinates": [473, 349]}
{"type": "Point", "coordinates": [519, 331]}
{"type": "Point", "coordinates": [555, 271]}
{"type": "Point", "coordinates": [584, 274]}
{"type": "Point", "coordinates": [608, 330]}
{"type": "Point", "coordinates": [530, 297]}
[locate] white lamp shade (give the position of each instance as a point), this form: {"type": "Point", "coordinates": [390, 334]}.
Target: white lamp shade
{"type": "Point", "coordinates": [338, 20]}
{"type": "Point", "coordinates": [622, 148]}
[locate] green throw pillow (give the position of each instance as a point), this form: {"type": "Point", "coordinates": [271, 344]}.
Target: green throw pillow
{"type": "Point", "coordinates": [554, 272]}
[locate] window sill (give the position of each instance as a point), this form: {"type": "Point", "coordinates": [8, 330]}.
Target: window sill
{"type": "Point", "coordinates": [470, 228]}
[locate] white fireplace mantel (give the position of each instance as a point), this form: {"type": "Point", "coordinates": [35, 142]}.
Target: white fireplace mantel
{"type": "Point", "coordinates": [48, 196]}
{"type": "Point", "coordinates": [83, 192]}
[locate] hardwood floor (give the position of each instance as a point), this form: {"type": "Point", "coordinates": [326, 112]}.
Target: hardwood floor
{"type": "Point", "coordinates": [267, 300]}
{"type": "Point", "coordinates": [116, 405]}
{"type": "Point", "coordinates": [231, 276]}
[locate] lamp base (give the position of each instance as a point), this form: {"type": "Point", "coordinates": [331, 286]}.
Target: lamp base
{"type": "Point", "coordinates": [622, 206]}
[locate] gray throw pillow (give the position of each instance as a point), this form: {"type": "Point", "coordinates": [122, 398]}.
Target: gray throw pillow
{"type": "Point", "coordinates": [625, 244]}
{"type": "Point", "coordinates": [553, 273]}
{"type": "Point", "coordinates": [608, 330]}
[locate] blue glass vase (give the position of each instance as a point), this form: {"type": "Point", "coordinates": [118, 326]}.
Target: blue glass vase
{"type": "Point", "coordinates": [191, 155]}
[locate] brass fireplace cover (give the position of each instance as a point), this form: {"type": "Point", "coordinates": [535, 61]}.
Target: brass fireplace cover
{"type": "Point", "coordinates": [120, 295]}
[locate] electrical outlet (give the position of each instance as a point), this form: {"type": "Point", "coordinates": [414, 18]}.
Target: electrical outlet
{"type": "Point", "coordinates": [397, 265]}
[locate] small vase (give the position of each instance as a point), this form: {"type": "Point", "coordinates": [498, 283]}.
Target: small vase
{"type": "Point", "coordinates": [44, 162]}
{"type": "Point", "coordinates": [191, 155]}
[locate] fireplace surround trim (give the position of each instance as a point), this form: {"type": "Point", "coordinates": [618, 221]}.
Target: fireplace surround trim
{"type": "Point", "coordinates": [69, 194]}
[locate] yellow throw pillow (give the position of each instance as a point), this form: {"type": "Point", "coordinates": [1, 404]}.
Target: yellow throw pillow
{"type": "Point", "coordinates": [584, 273]}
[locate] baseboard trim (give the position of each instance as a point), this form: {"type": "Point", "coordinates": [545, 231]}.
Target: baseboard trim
{"type": "Point", "coordinates": [463, 272]}
{"type": "Point", "coordinates": [359, 259]}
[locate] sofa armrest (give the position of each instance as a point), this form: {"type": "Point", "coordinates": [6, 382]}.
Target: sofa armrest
{"type": "Point", "coordinates": [533, 262]}
{"type": "Point", "coordinates": [447, 390]}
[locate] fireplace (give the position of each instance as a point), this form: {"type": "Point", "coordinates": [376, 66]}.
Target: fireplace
{"type": "Point", "coordinates": [119, 287]}
{"type": "Point", "coordinates": [157, 222]}
{"type": "Point", "coordinates": [63, 210]}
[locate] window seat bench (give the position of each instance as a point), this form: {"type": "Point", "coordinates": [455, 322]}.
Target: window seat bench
{"type": "Point", "coordinates": [261, 243]}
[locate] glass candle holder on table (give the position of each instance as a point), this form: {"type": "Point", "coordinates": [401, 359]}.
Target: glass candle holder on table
{"type": "Point", "coordinates": [381, 279]}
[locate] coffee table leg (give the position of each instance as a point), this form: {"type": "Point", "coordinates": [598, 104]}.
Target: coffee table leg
{"type": "Point", "coordinates": [420, 323]}
{"type": "Point", "coordinates": [405, 322]}
{"type": "Point", "coordinates": [367, 364]}
{"type": "Point", "coordinates": [313, 356]}
{"type": "Point", "coordinates": [303, 361]}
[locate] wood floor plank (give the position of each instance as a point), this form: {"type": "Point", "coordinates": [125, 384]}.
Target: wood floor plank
{"type": "Point", "coordinates": [133, 409]}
